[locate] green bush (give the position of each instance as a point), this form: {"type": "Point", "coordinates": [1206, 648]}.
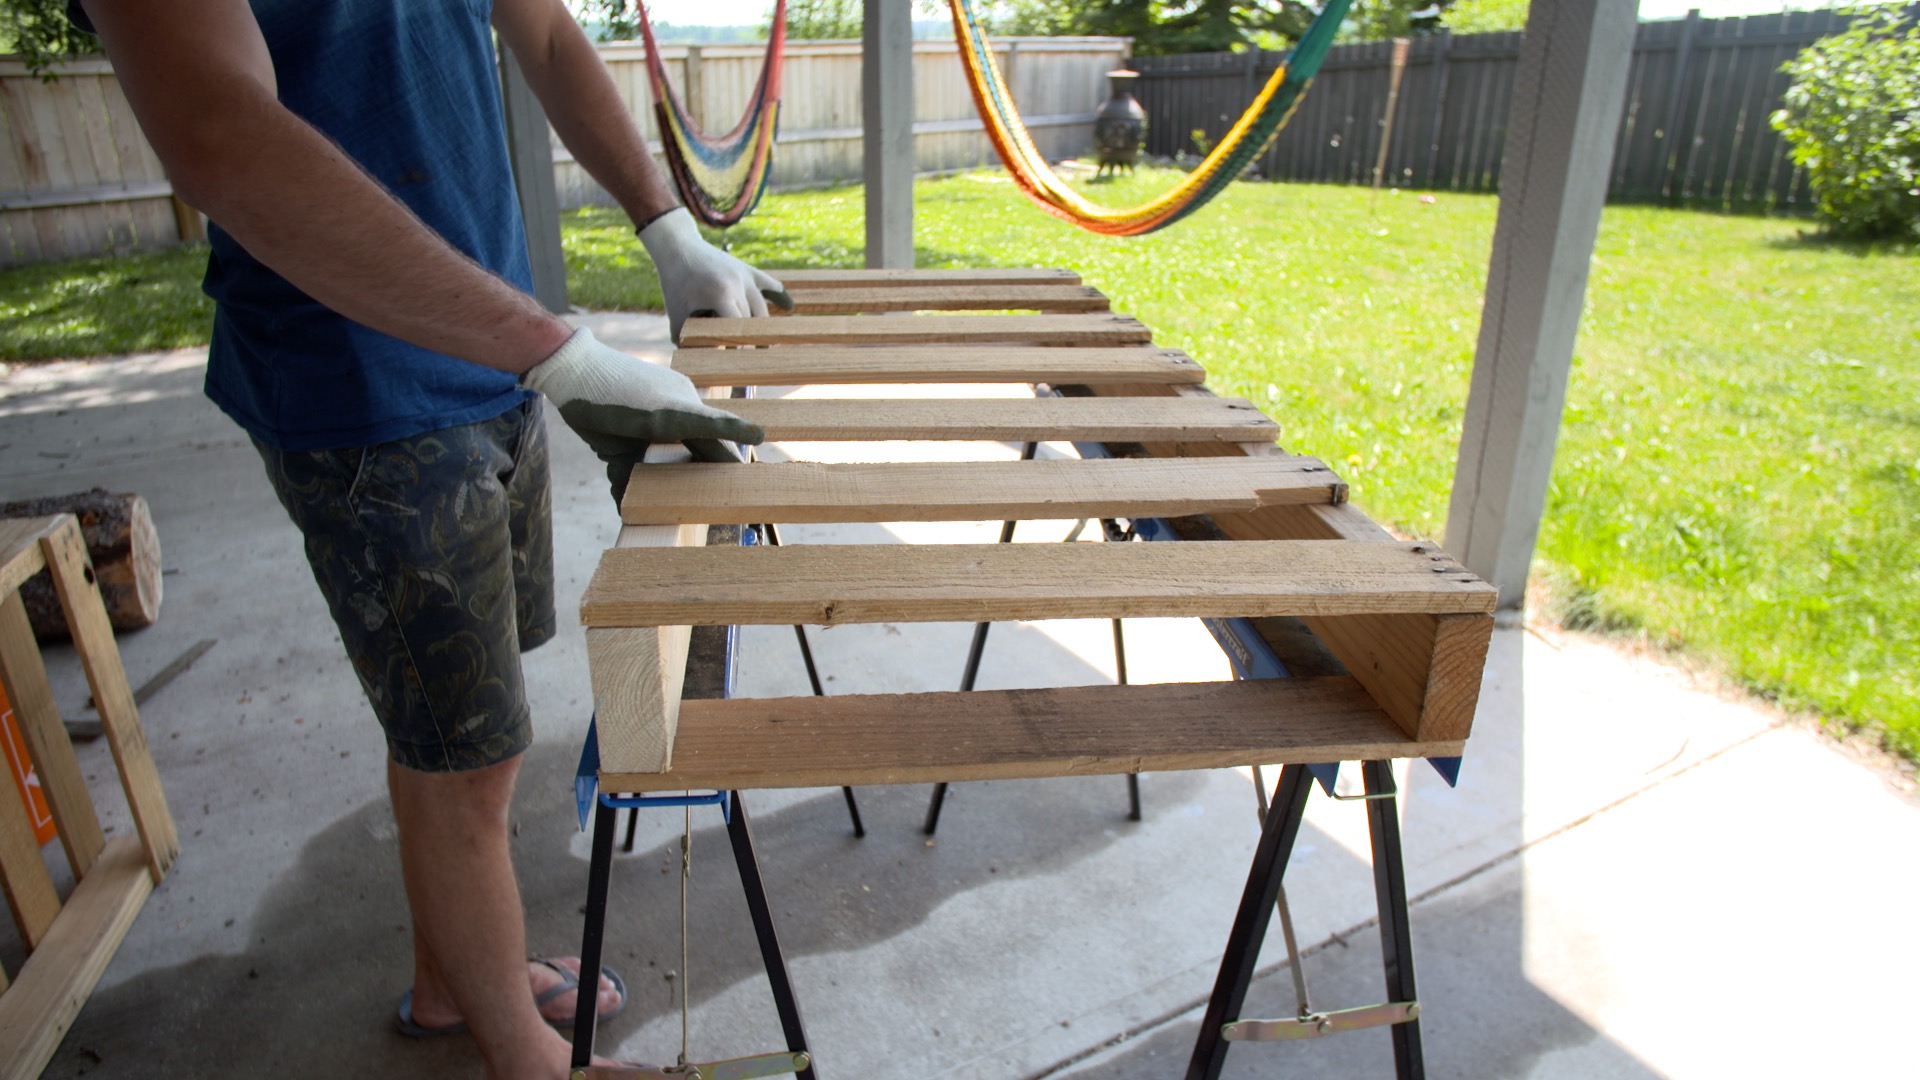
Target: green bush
{"type": "Point", "coordinates": [1852, 117]}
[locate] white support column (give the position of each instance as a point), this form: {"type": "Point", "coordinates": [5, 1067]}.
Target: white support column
{"type": "Point", "coordinates": [1567, 97]}
{"type": "Point", "coordinates": [886, 109]}
{"type": "Point", "coordinates": [531, 148]}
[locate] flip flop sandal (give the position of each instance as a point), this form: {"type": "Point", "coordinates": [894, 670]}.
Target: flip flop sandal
{"type": "Point", "coordinates": [570, 981]}
{"type": "Point", "coordinates": [404, 1022]}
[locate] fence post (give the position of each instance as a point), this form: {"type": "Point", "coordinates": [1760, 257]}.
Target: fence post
{"type": "Point", "coordinates": [696, 88]}
{"type": "Point", "coordinates": [1676, 101]}
{"type": "Point", "coordinates": [1442, 45]}
{"type": "Point", "coordinates": [532, 151]}
{"type": "Point", "coordinates": [1568, 92]}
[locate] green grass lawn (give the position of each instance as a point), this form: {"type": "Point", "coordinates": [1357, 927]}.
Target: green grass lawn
{"type": "Point", "coordinates": [1739, 475]}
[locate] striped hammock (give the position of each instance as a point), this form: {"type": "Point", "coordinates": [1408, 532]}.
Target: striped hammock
{"type": "Point", "coordinates": [720, 177]}
{"type": "Point", "coordinates": [1243, 143]}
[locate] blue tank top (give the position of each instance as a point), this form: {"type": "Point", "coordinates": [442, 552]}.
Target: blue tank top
{"type": "Point", "coordinates": [409, 89]}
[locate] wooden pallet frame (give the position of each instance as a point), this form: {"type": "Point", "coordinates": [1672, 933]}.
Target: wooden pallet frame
{"type": "Point", "coordinates": [1407, 653]}
{"type": "Point", "coordinates": [69, 943]}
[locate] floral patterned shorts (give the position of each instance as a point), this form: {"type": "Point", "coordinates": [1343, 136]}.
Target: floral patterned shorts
{"type": "Point", "coordinates": [435, 554]}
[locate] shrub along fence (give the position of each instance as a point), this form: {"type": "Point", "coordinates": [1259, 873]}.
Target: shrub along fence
{"type": "Point", "coordinates": [77, 177]}
{"type": "Point", "coordinates": [1694, 131]}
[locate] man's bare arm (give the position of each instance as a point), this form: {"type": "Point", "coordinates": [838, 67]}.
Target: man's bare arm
{"type": "Point", "coordinates": [201, 82]}
{"type": "Point", "coordinates": [586, 110]}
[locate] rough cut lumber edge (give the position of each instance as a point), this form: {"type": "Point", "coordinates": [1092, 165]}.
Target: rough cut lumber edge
{"type": "Point", "coordinates": [807, 492]}
{"type": "Point", "coordinates": [57, 979]}
{"type": "Point", "coordinates": [1058, 330]}
{"type": "Point", "coordinates": [879, 279]}
{"type": "Point", "coordinates": [790, 365]}
{"type": "Point", "coordinates": [1050, 299]}
{"type": "Point", "coordinates": [1012, 734]}
{"type": "Point", "coordinates": [25, 677]}
{"type": "Point", "coordinates": [66, 554]}
{"type": "Point", "coordinates": [1423, 670]}
{"type": "Point", "coordinates": [637, 673]}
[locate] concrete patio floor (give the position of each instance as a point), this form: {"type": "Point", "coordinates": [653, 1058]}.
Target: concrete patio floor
{"type": "Point", "coordinates": [1636, 876]}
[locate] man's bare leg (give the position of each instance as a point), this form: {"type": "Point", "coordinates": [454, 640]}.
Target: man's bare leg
{"type": "Point", "coordinates": [458, 871]}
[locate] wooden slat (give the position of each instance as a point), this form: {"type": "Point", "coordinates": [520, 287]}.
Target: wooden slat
{"type": "Point", "coordinates": [830, 584]}
{"type": "Point", "coordinates": [803, 491]}
{"type": "Point", "coordinates": [636, 673]}
{"type": "Point", "coordinates": [25, 678]}
{"type": "Point", "coordinates": [66, 554]}
{"type": "Point", "coordinates": [20, 556]}
{"type": "Point", "coordinates": [1077, 330]}
{"type": "Point", "coordinates": [1006, 734]}
{"type": "Point", "coordinates": [23, 877]}
{"type": "Point", "coordinates": [799, 365]}
{"type": "Point", "coordinates": [1048, 298]}
{"type": "Point", "coordinates": [1014, 419]}
{"type": "Point", "coordinates": [39, 1007]}
{"type": "Point", "coordinates": [907, 279]}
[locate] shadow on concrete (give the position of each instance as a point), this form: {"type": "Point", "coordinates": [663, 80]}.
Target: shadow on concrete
{"type": "Point", "coordinates": [1482, 1017]}
{"type": "Point", "coordinates": [313, 995]}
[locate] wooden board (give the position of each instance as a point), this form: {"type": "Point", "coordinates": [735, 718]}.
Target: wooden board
{"type": "Point", "coordinates": [39, 1007]}
{"type": "Point", "coordinates": [25, 677]}
{"type": "Point", "coordinates": [1076, 330]}
{"type": "Point", "coordinates": [907, 279]}
{"type": "Point", "coordinates": [800, 365]}
{"type": "Point", "coordinates": [1006, 419]}
{"type": "Point", "coordinates": [829, 584]}
{"type": "Point", "coordinates": [1007, 734]}
{"type": "Point", "coordinates": [802, 491]}
{"type": "Point", "coordinates": [856, 301]}
{"type": "Point", "coordinates": [20, 556]}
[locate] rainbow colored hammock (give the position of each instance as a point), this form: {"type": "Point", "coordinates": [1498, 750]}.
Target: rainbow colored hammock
{"type": "Point", "coordinates": [1245, 141]}
{"type": "Point", "coordinates": [721, 177]}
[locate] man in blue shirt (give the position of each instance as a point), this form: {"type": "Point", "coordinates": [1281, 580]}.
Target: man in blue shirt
{"type": "Point", "coordinates": [375, 337]}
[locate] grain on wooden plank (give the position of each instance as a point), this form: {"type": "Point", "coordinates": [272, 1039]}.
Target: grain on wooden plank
{"type": "Point", "coordinates": [56, 980]}
{"type": "Point", "coordinates": [23, 876]}
{"type": "Point", "coordinates": [1048, 298]}
{"type": "Point", "coordinates": [25, 677]}
{"type": "Point", "coordinates": [799, 365]}
{"type": "Point", "coordinates": [830, 584]}
{"type": "Point", "coordinates": [1008, 734]}
{"type": "Point", "coordinates": [1016, 419]}
{"type": "Point", "coordinates": [20, 556]}
{"type": "Point", "coordinates": [1068, 330]}
{"type": "Point", "coordinates": [66, 554]}
{"type": "Point", "coordinates": [637, 672]}
{"type": "Point", "coordinates": [871, 279]}
{"type": "Point", "coordinates": [804, 491]}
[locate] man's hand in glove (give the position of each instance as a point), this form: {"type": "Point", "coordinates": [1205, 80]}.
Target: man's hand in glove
{"type": "Point", "coordinates": [619, 404]}
{"type": "Point", "coordinates": [700, 279]}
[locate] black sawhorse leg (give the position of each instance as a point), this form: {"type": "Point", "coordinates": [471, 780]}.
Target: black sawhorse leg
{"type": "Point", "coordinates": [600, 869]}
{"type": "Point", "coordinates": [1242, 953]}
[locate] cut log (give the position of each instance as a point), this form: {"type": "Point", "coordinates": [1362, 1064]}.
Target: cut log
{"type": "Point", "coordinates": [124, 548]}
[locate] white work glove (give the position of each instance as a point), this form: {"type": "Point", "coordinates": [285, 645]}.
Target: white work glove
{"type": "Point", "coordinates": [620, 404]}
{"type": "Point", "coordinates": [700, 279]}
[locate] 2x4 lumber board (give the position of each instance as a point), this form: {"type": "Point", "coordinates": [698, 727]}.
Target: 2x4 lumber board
{"type": "Point", "coordinates": [800, 365]}
{"type": "Point", "coordinates": [908, 279]}
{"type": "Point", "coordinates": [831, 584]}
{"type": "Point", "coordinates": [811, 492]}
{"type": "Point", "coordinates": [1074, 330]}
{"type": "Point", "coordinates": [66, 553]}
{"type": "Point", "coordinates": [20, 556]}
{"type": "Point", "coordinates": [637, 672]}
{"type": "Point", "coordinates": [57, 979]}
{"type": "Point", "coordinates": [1045, 298]}
{"type": "Point", "coordinates": [38, 718]}
{"type": "Point", "coordinates": [1423, 671]}
{"type": "Point", "coordinates": [1005, 419]}
{"type": "Point", "coordinates": [23, 876]}
{"type": "Point", "coordinates": [1012, 734]}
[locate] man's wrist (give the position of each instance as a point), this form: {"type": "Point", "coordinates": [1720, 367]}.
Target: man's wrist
{"type": "Point", "coordinates": [640, 224]}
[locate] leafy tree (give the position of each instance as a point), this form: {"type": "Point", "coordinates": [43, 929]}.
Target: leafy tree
{"type": "Point", "coordinates": [1486, 16]}
{"type": "Point", "coordinates": [38, 30]}
{"type": "Point", "coordinates": [1852, 117]}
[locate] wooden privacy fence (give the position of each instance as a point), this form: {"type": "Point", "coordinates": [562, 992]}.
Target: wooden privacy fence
{"type": "Point", "coordinates": [77, 177]}
{"type": "Point", "coordinates": [1695, 128]}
